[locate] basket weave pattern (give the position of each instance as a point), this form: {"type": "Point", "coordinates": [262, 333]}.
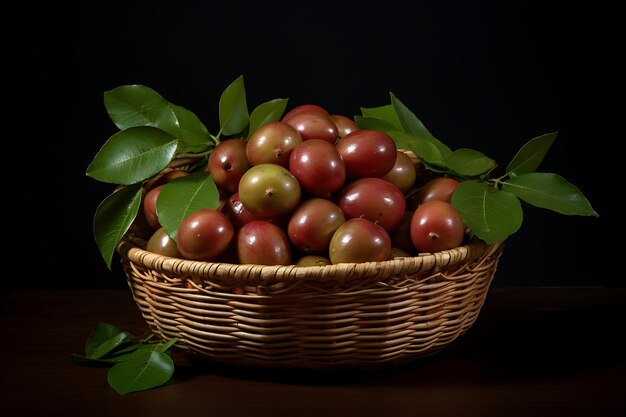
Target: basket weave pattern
{"type": "Point", "coordinates": [345, 315]}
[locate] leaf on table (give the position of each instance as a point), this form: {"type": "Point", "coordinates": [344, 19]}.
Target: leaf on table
{"type": "Point", "coordinates": [550, 191]}
{"type": "Point", "coordinates": [492, 214]}
{"type": "Point", "coordinates": [133, 155]}
{"type": "Point", "coordinates": [103, 339]}
{"type": "Point", "coordinates": [143, 370]}
{"type": "Point", "coordinates": [113, 218]}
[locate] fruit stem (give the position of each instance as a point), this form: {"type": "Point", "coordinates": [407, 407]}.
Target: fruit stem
{"type": "Point", "coordinates": [216, 139]}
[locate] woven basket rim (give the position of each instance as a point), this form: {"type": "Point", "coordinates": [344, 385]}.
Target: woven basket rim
{"type": "Point", "coordinates": [129, 249]}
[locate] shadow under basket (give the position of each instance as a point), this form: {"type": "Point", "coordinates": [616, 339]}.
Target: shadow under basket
{"type": "Point", "coordinates": [337, 316]}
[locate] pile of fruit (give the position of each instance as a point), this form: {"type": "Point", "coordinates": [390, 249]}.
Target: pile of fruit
{"type": "Point", "coordinates": [312, 189]}
{"type": "Point", "coordinates": [306, 187]}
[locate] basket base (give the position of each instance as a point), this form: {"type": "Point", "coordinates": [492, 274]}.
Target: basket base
{"type": "Point", "coordinates": [316, 324]}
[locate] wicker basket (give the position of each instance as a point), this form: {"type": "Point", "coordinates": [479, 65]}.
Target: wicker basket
{"type": "Point", "coordinates": [335, 316]}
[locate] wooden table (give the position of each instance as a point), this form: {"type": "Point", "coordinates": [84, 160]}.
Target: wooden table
{"type": "Point", "coordinates": [532, 352]}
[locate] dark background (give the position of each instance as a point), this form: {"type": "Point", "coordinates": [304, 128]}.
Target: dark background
{"type": "Point", "coordinates": [485, 75]}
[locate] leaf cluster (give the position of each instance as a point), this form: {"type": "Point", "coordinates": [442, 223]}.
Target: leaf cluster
{"type": "Point", "coordinates": [135, 365]}
{"type": "Point", "coordinates": [490, 206]}
{"type": "Point", "coordinates": [154, 132]}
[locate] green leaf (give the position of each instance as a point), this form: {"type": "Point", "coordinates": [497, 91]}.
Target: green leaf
{"type": "Point", "coordinates": [492, 214]}
{"type": "Point", "coordinates": [143, 370]}
{"type": "Point", "coordinates": [233, 108]}
{"type": "Point", "coordinates": [529, 157]}
{"type": "Point", "coordinates": [85, 361]}
{"type": "Point", "coordinates": [386, 113]}
{"type": "Point", "coordinates": [137, 105]}
{"type": "Point", "coordinates": [193, 136]}
{"type": "Point", "coordinates": [423, 149]}
{"type": "Point", "coordinates": [373, 123]}
{"type": "Point", "coordinates": [411, 124]}
{"type": "Point", "coordinates": [182, 196]}
{"type": "Point", "coordinates": [468, 162]}
{"type": "Point", "coordinates": [164, 346]}
{"type": "Point", "coordinates": [550, 191]}
{"type": "Point", "coordinates": [103, 339]}
{"type": "Point", "coordinates": [113, 218]}
{"type": "Point", "coordinates": [121, 354]}
{"type": "Point", "coordinates": [112, 358]}
{"type": "Point", "coordinates": [266, 112]}
{"type": "Point", "coordinates": [133, 155]}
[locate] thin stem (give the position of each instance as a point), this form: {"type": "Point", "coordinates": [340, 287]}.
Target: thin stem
{"type": "Point", "coordinates": [495, 182]}
{"type": "Point", "coordinates": [193, 154]}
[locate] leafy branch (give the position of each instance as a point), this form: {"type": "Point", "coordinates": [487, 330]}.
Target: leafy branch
{"type": "Point", "coordinates": [153, 132]}
{"type": "Point", "coordinates": [135, 365]}
{"type": "Point", "coordinates": [490, 207]}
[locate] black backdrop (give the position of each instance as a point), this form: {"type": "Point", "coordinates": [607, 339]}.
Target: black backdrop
{"type": "Point", "coordinates": [487, 75]}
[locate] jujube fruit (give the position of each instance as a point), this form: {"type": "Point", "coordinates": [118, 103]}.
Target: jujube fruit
{"type": "Point", "coordinates": [269, 191]}
{"type": "Point", "coordinates": [375, 199]}
{"type": "Point", "coordinates": [272, 143]}
{"type": "Point", "coordinates": [359, 240]}
{"type": "Point", "coordinates": [262, 242]}
{"type": "Point", "coordinates": [319, 168]}
{"type": "Point", "coordinates": [227, 163]}
{"type": "Point", "coordinates": [160, 242]}
{"type": "Point", "coordinates": [204, 235]}
{"type": "Point", "coordinates": [313, 223]}
{"type": "Point", "coordinates": [367, 153]}
{"type": "Point", "coordinates": [436, 226]}
{"type": "Point", "coordinates": [403, 174]}
{"type": "Point", "coordinates": [314, 126]}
